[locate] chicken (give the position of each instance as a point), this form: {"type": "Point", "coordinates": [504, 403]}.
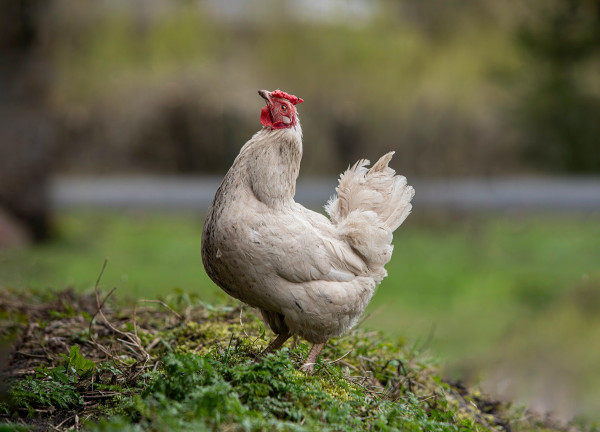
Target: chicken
{"type": "Point", "coordinates": [308, 275]}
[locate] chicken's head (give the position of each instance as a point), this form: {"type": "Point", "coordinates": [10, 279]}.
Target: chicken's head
{"type": "Point", "coordinates": [280, 112]}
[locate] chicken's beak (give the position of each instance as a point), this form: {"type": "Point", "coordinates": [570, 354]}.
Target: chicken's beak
{"type": "Point", "coordinates": [265, 94]}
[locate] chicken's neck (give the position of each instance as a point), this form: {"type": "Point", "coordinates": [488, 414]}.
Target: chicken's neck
{"type": "Point", "coordinates": [272, 162]}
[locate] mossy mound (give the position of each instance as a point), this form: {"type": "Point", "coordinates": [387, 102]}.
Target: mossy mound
{"type": "Point", "coordinates": [76, 363]}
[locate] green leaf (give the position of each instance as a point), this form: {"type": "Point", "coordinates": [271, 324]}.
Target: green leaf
{"type": "Point", "coordinates": [79, 363]}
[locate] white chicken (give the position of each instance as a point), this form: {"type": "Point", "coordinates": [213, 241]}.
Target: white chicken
{"type": "Point", "coordinates": [309, 275]}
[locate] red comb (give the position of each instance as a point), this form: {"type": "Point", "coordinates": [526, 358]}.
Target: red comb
{"type": "Point", "coordinates": [283, 95]}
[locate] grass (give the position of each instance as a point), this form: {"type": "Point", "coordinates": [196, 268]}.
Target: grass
{"type": "Point", "coordinates": [149, 255]}
{"type": "Point", "coordinates": [154, 369]}
{"type": "Point", "coordinates": [491, 296]}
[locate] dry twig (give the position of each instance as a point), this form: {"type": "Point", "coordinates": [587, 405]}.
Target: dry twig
{"type": "Point", "coordinates": [241, 323]}
{"type": "Point", "coordinates": [134, 340]}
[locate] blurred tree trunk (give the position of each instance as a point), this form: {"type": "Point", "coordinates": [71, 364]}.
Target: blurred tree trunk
{"type": "Point", "coordinates": [348, 137]}
{"type": "Point", "coordinates": [560, 110]}
{"type": "Point", "coordinates": [26, 130]}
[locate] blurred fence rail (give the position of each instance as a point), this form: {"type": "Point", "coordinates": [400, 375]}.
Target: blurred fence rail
{"type": "Point", "coordinates": [195, 193]}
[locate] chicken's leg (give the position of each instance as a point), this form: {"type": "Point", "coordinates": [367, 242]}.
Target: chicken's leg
{"type": "Point", "coordinates": [311, 359]}
{"type": "Point", "coordinates": [273, 346]}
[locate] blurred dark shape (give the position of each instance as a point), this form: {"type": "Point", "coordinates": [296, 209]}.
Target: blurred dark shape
{"type": "Point", "coordinates": [173, 129]}
{"type": "Point", "coordinates": [348, 137]}
{"type": "Point", "coordinates": [26, 132]}
{"type": "Point", "coordinates": [188, 137]}
{"type": "Point", "coordinates": [586, 296]}
{"type": "Point", "coordinates": [4, 371]}
{"type": "Point", "coordinates": [560, 111]}
{"type": "Point", "coordinates": [443, 142]}
{"type": "Point", "coordinates": [12, 233]}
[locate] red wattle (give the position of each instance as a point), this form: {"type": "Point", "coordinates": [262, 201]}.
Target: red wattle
{"type": "Point", "coordinates": [265, 117]}
{"type": "Point", "coordinates": [280, 125]}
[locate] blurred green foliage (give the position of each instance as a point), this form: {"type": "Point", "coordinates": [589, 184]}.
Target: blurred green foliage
{"type": "Point", "coordinates": [561, 109]}
{"type": "Point", "coordinates": [459, 89]}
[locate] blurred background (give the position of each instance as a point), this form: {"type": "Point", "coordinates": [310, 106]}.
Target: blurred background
{"type": "Point", "coordinates": [118, 119]}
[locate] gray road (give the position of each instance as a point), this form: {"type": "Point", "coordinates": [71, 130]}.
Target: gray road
{"type": "Point", "coordinates": [195, 193]}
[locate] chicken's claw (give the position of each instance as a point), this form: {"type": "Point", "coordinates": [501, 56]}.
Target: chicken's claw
{"type": "Point", "coordinates": [311, 359]}
{"type": "Point", "coordinates": [273, 346]}
{"type": "Point", "coordinates": [308, 368]}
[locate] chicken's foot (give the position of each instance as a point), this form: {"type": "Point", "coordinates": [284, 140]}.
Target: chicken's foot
{"type": "Point", "coordinates": [273, 346]}
{"type": "Point", "coordinates": [311, 359]}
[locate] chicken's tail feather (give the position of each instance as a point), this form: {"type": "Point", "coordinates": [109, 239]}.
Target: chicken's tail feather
{"type": "Point", "coordinates": [369, 206]}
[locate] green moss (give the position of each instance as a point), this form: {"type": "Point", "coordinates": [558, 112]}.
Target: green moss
{"type": "Point", "coordinates": [210, 381]}
{"type": "Point", "coordinates": [201, 374]}
{"type": "Point", "coordinates": [271, 393]}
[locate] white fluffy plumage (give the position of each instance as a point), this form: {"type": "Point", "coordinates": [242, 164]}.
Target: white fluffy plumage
{"type": "Point", "coordinates": [369, 206]}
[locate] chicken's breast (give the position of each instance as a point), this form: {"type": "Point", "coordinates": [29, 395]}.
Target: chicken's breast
{"type": "Point", "coordinates": [289, 261]}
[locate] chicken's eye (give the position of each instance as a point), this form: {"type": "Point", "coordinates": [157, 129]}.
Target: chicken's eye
{"type": "Point", "coordinates": [283, 107]}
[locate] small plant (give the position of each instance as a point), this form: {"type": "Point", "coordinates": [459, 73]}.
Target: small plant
{"type": "Point", "coordinates": [74, 368]}
{"type": "Point", "coordinates": [10, 427]}
{"type": "Point", "coordinates": [33, 393]}
{"type": "Point", "coordinates": [77, 365]}
{"type": "Point", "coordinates": [53, 387]}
